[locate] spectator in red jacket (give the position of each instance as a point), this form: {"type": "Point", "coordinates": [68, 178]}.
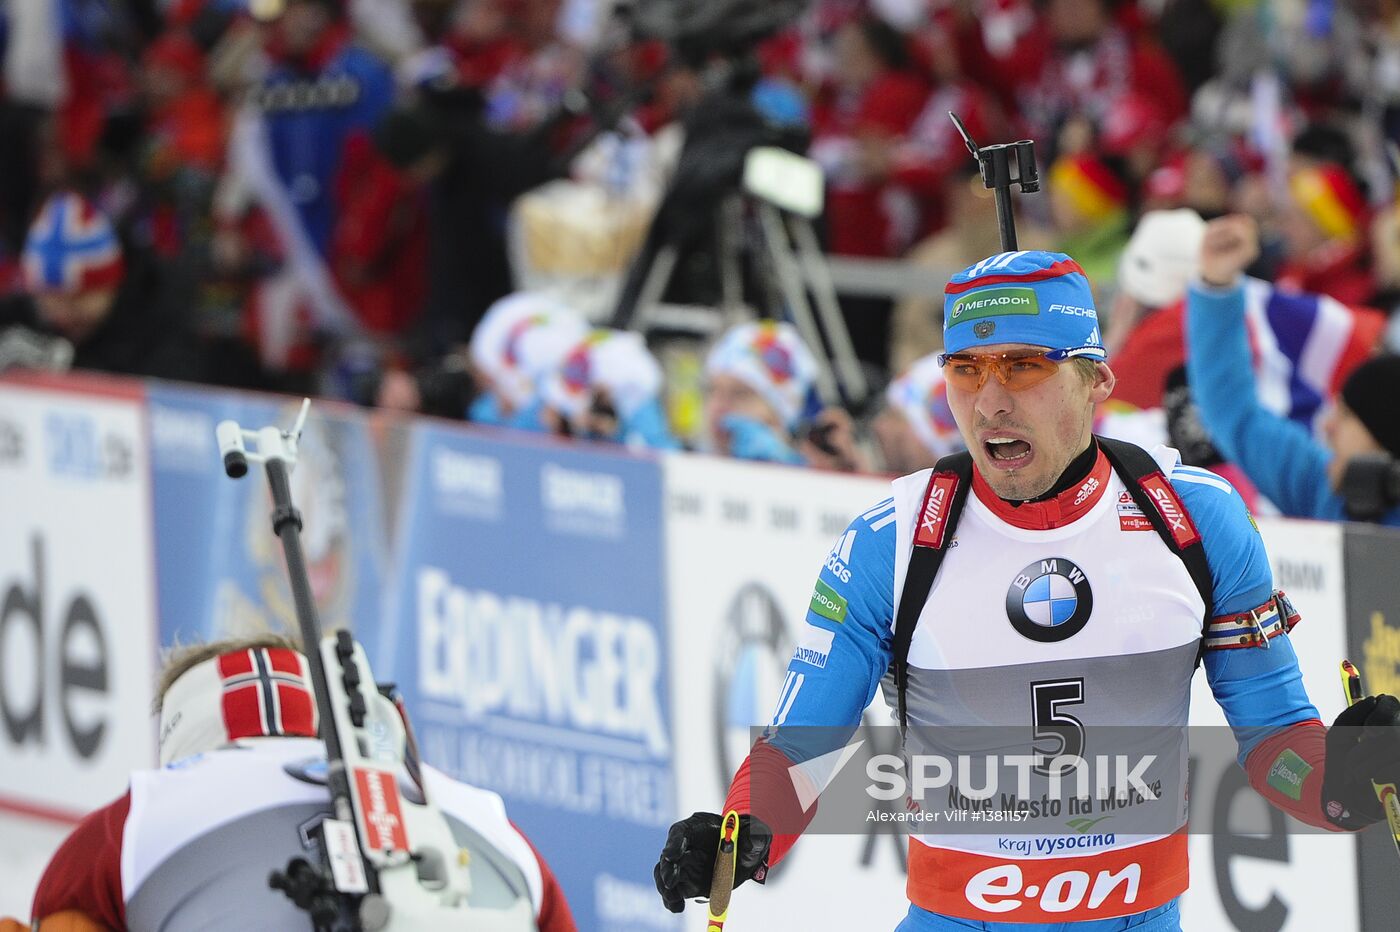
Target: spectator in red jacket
{"type": "Point", "coordinates": [875, 100]}
{"type": "Point", "coordinates": [379, 245]}
{"type": "Point", "coordinates": [185, 119]}
{"type": "Point", "coordinates": [923, 159]}
{"type": "Point", "coordinates": [1088, 62]}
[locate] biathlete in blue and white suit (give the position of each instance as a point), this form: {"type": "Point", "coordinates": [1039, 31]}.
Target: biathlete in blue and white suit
{"type": "Point", "coordinates": [1053, 574]}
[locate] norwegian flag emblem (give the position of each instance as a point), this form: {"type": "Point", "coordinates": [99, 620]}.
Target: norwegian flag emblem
{"type": "Point", "coordinates": [71, 247]}
{"type": "Point", "coordinates": [267, 691]}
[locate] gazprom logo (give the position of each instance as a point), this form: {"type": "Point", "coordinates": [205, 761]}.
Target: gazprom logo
{"type": "Point", "coordinates": [994, 302]}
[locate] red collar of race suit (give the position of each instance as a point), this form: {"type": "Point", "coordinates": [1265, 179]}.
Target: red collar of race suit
{"type": "Point", "coordinates": [1053, 512]}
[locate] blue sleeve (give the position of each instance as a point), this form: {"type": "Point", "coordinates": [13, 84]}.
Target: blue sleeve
{"type": "Point", "coordinates": [843, 647]}
{"type": "Point", "coordinates": [1260, 690]}
{"type": "Point", "coordinates": [1280, 457]}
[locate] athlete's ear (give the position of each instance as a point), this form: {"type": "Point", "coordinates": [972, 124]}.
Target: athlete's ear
{"type": "Point", "coordinates": [1102, 385]}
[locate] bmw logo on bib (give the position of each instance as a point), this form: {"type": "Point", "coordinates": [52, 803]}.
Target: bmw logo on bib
{"type": "Point", "coordinates": [1050, 600]}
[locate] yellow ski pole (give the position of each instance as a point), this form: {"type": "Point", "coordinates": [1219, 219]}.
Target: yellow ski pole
{"type": "Point", "coordinates": [722, 885]}
{"type": "Point", "coordinates": [1385, 792]}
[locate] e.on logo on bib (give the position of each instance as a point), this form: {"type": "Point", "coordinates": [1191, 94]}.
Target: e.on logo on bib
{"type": "Point", "coordinates": [1119, 881]}
{"type": "Point", "coordinates": [1003, 889]}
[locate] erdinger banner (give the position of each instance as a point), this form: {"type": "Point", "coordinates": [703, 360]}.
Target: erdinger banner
{"type": "Point", "coordinates": [745, 544]}
{"type": "Point", "coordinates": [222, 571]}
{"type": "Point", "coordinates": [1283, 876]}
{"type": "Point", "coordinates": [527, 637]}
{"type": "Point", "coordinates": [77, 617]}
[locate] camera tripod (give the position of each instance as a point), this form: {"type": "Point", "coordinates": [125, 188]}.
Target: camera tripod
{"type": "Point", "coordinates": [767, 221]}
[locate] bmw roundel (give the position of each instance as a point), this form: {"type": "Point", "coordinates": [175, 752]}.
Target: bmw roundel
{"type": "Point", "coordinates": [1050, 600]}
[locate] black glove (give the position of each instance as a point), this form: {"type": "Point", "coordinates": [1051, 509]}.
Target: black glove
{"type": "Point", "coordinates": [687, 863]}
{"type": "Point", "coordinates": [1363, 744]}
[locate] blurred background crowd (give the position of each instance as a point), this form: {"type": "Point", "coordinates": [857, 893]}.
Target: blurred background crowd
{"type": "Point", "coordinates": [434, 205]}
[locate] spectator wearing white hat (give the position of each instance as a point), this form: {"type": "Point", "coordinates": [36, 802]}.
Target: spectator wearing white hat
{"type": "Point", "coordinates": [608, 387]}
{"type": "Point", "coordinates": [759, 381]}
{"type": "Point", "coordinates": [916, 428]}
{"type": "Point", "coordinates": [523, 338]}
{"type": "Point", "coordinates": [1155, 268]}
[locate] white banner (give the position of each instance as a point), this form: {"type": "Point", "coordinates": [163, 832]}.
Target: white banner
{"type": "Point", "coordinates": [1284, 882]}
{"type": "Point", "coordinates": [744, 543]}
{"type": "Point", "coordinates": [77, 615]}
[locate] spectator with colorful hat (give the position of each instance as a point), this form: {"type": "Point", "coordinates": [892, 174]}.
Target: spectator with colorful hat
{"type": "Point", "coordinates": [759, 387]}
{"type": "Point", "coordinates": [608, 387]}
{"type": "Point", "coordinates": [916, 427]}
{"type": "Point", "coordinates": [522, 339]}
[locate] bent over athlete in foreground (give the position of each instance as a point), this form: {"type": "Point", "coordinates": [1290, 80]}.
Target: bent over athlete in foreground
{"type": "Point", "coordinates": [1047, 555]}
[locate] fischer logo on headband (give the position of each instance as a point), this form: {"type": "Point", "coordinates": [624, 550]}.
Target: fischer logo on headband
{"type": "Point", "coordinates": [1029, 297]}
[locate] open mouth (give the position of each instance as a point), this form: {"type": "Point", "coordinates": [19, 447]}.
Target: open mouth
{"type": "Point", "coordinates": [1007, 451]}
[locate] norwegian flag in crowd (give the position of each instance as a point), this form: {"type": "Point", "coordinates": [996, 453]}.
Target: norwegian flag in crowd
{"type": "Point", "coordinates": [71, 246]}
{"type": "Point", "coordinates": [267, 691]}
{"type": "Point", "coordinates": [1305, 345]}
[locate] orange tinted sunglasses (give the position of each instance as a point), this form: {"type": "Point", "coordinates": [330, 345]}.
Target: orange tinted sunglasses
{"type": "Point", "coordinates": [1016, 370]}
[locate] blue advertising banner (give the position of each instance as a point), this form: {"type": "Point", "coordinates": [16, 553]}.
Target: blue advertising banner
{"type": "Point", "coordinates": [220, 569]}
{"type": "Point", "coordinates": [529, 641]}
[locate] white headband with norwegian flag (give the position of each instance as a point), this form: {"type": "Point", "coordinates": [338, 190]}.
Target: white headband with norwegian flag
{"type": "Point", "coordinates": [254, 693]}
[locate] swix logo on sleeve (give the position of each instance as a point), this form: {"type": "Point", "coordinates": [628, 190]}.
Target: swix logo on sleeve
{"type": "Point", "coordinates": [1169, 506]}
{"type": "Point", "coordinates": [933, 519]}
{"type": "Point", "coordinates": [380, 811]}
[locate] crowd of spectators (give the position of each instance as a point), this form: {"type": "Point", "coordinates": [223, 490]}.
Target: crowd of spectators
{"type": "Point", "coordinates": [326, 196]}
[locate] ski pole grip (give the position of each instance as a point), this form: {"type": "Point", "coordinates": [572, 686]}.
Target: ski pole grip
{"type": "Point", "coordinates": [722, 884]}
{"type": "Point", "coordinates": [1385, 792]}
